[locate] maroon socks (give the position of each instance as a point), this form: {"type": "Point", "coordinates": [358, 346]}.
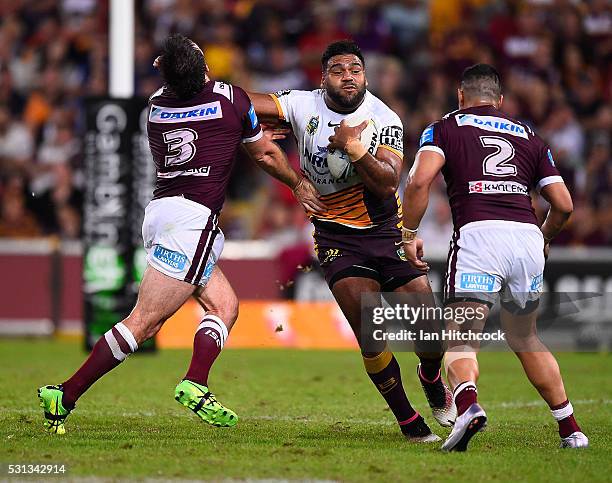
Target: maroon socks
{"type": "Point", "coordinates": [207, 344]}
{"type": "Point", "coordinates": [429, 369]}
{"type": "Point", "coordinates": [465, 395]}
{"type": "Point", "coordinates": [384, 371]}
{"type": "Point", "coordinates": [108, 353]}
{"type": "Point", "coordinates": [564, 414]}
{"type": "Point", "coordinates": [119, 342]}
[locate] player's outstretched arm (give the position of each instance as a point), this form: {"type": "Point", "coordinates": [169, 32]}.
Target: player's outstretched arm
{"type": "Point", "coordinates": [265, 107]}
{"type": "Point", "coordinates": [379, 173]}
{"type": "Point", "coordinates": [561, 208]}
{"type": "Point", "coordinates": [273, 161]}
{"type": "Point", "coordinates": [427, 165]}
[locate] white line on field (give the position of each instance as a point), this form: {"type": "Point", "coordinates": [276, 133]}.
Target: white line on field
{"type": "Point", "coordinates": [305, 419]}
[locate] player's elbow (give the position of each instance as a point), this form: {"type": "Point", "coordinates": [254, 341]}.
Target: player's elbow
{"type": "Point", "coordinates": [559, 198]}
{"type": "Point", "coordinates": [384, 190]}
{"type": "Point", "coordinates": [564, 206]}
{"type": "Point", "coordinates": [387, 191]}
{"type": "Point", "coordinates": [418, 184]}
{"type": "Point", "coordinates": [565, 209]}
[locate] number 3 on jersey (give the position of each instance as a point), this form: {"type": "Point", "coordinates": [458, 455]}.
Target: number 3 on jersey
{"type": "Point", "coordinates": [181, 149]}
{"type": "Point", "coordinates": [496, 164]}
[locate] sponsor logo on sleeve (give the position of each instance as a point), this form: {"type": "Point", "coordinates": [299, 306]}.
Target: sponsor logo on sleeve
{"type": "Point", "coordinates": [536, 283]}
{"type": "Point", "coordinates": [201, 112]}
{"type": "Point", "coordinates": [480, 282]}
{"type": "Point", "coordinates": [427, 136]}
{"type": "Point", "coordinates": [497, 187]}
{"type": "Point", "coordinates": [550, 158]}
{"type": "Point", "coordinates": [173, 260]}
{"type": "Point", "coordinates": [392, 136]}
{"type": "Point", "coordinates": [253, 117]}
{"type": "Point", "coordinates": [282, 93]}
{"type": "Point", "coordinates": [492, 123]}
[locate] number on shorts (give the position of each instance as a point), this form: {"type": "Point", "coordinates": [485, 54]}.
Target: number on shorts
{"type": "Point", "coordinates": [180, 146]}
{"type": "Point", "coordinates": [496, 164]}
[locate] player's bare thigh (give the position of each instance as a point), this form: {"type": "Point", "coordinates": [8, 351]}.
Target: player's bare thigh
{"type": "Point", "coordinates": [420, 288]}
{"type": "Point", "coordinates": [418, 294]}
{"type": "Point", "coordinates": [521, 331]}
{"type": "Point", "coordinates": [217, 297]}
{"type": "Point", "coordinates": [347, 292]}
{"type": "Point", "coordinates": [159, 297]}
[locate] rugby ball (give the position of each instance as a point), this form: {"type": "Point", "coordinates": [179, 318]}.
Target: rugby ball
{"type": "Point", "coordinates": [338, 162]}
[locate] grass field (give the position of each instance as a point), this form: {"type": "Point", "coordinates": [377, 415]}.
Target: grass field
{"type": "Point", "coordinates": [304, 415]}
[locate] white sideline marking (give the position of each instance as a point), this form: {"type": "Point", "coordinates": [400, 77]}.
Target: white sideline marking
{"type": "Point", "coordinates": [305, 419]}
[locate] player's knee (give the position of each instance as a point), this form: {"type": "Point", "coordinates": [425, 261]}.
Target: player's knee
{"type": "Point", "coordinates": [153, 328]}
{"type": "Point", "coordinates": [227, 310]}
{"type": "Point", "coordinates": [232, 310]}
{"type": "Point", "coordinates": [514, 343]}
{"type": "Point", "coordinates": [142, 326]}
{"type": "Point", "coordinates": [524, 342]}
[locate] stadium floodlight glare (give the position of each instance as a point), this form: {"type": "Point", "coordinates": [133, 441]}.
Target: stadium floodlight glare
{"type": "Point", "coordinates": [121, 49]}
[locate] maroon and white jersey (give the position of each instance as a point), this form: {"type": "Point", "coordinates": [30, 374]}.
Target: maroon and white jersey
{"type": "Point", "coordinates": [194, 141]}
{"type": "Point", "coordinates": [491, 164]}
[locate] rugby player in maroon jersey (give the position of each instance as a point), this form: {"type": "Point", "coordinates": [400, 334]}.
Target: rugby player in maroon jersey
{"type": "Point", "coordinates": [491, 163]}
{"type": "Point", "coordinates": [195, 128]}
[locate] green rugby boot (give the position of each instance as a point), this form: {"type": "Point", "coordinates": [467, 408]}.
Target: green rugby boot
{"type": "Point", "coordinates": [55, 414]}
{"type": "Point", "coordinates": [202, 402]}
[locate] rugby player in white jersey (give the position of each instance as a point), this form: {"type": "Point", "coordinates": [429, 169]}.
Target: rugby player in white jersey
{"type": "Point", "coordinates": [358, 239]}
{"type": "Point", "coordinates": [195, 127]}
{"type": "Point", "coordinates": [491, 163]}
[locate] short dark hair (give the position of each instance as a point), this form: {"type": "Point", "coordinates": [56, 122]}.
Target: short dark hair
{"type": "Point", "coordinates": [481, 80]}
{"type": "Point", "coordinates": [182, 66]}
{"type": "Point", "coordinates": [341, 47]}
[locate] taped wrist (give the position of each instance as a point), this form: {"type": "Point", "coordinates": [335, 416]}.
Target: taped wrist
{"type": "Point", "coordinates": [408, 234]}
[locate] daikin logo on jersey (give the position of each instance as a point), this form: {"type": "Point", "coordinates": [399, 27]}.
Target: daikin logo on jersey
{"type": "Point", "coordinates": [492, 123]}
{"type": "Point", "coordinates": [201, 112]}
{"type": "Point", "coordinates": [497, 187]}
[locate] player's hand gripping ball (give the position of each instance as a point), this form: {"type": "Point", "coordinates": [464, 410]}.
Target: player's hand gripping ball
{"type": "Point", "coordinates": [338, 161]}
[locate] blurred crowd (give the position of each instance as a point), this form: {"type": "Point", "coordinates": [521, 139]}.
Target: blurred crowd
{"type": "Point", "coordinates": [554, 56]}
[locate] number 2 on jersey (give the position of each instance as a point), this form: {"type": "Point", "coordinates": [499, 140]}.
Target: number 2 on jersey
{"type": "Point", "coordinates": [180, 146]}
{"type": "Point", "coordinates": [496, 164]}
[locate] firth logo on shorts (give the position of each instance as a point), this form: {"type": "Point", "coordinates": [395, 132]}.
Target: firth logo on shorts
{"type": "Point", "coordinates": [201, 112]}
{"type": "Point", "coordinates": [536, 283]}
{"type": "Point", "coordinates": [171, 258]}
{"type": "Point", "coordinates": [477, 281]}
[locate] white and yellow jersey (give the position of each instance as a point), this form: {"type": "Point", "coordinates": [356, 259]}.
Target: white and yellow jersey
{"type": "Point", "coordinates": [350, 202]}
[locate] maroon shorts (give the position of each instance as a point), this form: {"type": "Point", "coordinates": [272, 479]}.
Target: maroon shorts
{"type": "Point", "coordinates": [375, 253]}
